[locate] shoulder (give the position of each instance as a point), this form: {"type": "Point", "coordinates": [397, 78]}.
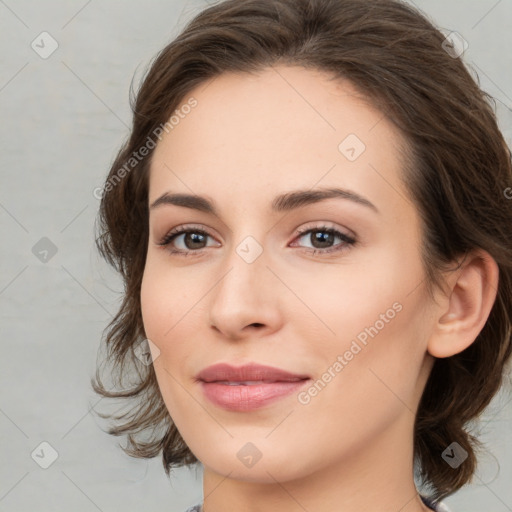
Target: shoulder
{"type": "Point", "coordinates": [195, 508]}
{"type": "Point", "coordinates": [438, 507]}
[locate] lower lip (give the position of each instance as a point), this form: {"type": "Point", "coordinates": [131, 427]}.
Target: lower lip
{"type": "Point", "coordinates": [251, 397]}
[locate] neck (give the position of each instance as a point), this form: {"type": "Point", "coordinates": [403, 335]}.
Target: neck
{"type": "Point", "coordinates": [377, 478]}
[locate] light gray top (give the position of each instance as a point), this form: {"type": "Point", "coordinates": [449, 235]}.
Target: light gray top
{"type": "Point", "coordinates": [441, 507]}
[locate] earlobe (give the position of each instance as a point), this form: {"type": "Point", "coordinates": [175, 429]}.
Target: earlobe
{"type": "Point", "coordinates": [462, 315]}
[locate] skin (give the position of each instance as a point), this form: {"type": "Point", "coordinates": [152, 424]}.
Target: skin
{"type": "Point", "coordinates": [250, 138]}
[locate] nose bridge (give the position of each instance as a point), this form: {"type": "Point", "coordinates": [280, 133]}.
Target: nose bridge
{"type": "Point", "coordinates": [243, 295]}
{"type": "Point", "coordinates": [244, 275]}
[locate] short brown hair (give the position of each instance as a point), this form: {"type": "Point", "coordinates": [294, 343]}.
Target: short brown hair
{"type": "Point", "coordinates": [458, 170]}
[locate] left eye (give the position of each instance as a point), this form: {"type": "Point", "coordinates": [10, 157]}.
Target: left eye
{"type": "Point", "coordinates": [322, 239]}
{"type": "Point", "coordinates": [190, 238]}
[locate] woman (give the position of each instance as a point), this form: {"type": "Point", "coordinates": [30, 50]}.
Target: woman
{"type": "Point", "coordinates": [311, 220]}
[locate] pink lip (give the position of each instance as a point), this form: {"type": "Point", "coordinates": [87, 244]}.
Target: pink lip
{"type": "Point", "coordinates": [274, 384]}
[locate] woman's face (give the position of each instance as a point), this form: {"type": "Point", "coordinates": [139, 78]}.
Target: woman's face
{"type": "Point", "coordinates": [244, 285]}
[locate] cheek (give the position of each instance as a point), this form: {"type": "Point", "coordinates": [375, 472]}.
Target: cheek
{"type": "Point", "coordinates": [151, 305]}
{"type": "Point", "coordinates": [165, 300]}
{"type": "Point", "coordinates": [159, 317]}
{"type": "Point", "coordinates": [375, 314]}
{"type": "Point", "coordinates": [171, 315]}
{"type": "Point", "coordinates": [345, 302]}
{"type": "Point", "coordinates": [386, 351]}
{"type": "Point", "coordinates": [373, 386]}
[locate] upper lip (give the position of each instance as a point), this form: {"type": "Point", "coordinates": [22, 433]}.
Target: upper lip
{"type": "Point", "coordinates": [247, 372]}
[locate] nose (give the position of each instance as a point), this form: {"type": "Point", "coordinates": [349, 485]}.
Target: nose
{"type": "Point", "coordinates": [244, 303]}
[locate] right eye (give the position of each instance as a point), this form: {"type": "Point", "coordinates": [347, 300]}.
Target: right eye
{"type": "Point", "coordinates": [191, 239]}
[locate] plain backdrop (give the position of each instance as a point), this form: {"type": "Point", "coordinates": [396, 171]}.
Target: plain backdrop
{"type": "Point", "coordinates": [62, 119]}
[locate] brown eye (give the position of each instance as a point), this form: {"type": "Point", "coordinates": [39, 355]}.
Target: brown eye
{"type": "Point", "coordinates": [192, 239]}
{"type": "Point", "coordinates": [322, 240]}
{"type": "Point", "coordinates": [185, 240]}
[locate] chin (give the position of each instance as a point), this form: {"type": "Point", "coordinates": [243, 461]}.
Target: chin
{"type": "Point", "coordinates": [266, 469]}
{"type": "Point", "coordinates": [260, 473]}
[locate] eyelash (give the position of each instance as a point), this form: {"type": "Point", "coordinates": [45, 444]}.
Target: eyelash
{"type": "Point", "coordinates": [348, 241]}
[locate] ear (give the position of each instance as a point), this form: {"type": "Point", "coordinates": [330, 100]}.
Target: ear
{"type": "Point", "coordinates": [463, 311]}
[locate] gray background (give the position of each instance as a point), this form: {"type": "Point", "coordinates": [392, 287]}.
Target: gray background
{"type": "Point", "coordinates": [62, 121]}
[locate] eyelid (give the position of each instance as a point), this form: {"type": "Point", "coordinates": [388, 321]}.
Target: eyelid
{"type": "Point", "coordinates": [320, 224]}
{"type": "Point", "coordinates": [347, 241]}
{"type": "Point", "coordinates": [183, 228]}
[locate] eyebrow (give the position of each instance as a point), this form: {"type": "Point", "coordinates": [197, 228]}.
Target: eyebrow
{"type": "Point", "coordinates": [282, 203]}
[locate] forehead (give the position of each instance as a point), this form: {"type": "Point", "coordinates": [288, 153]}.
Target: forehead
{"type": "Point", "coordinates": [251, 135]}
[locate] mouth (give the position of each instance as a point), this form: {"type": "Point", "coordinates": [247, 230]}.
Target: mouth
{"type": "Point", "coordinates": [249, 387]}
{"type": "Point", "coordinates": [251, 382]}
{"type": "Point", "coordinates": [247, 374]}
